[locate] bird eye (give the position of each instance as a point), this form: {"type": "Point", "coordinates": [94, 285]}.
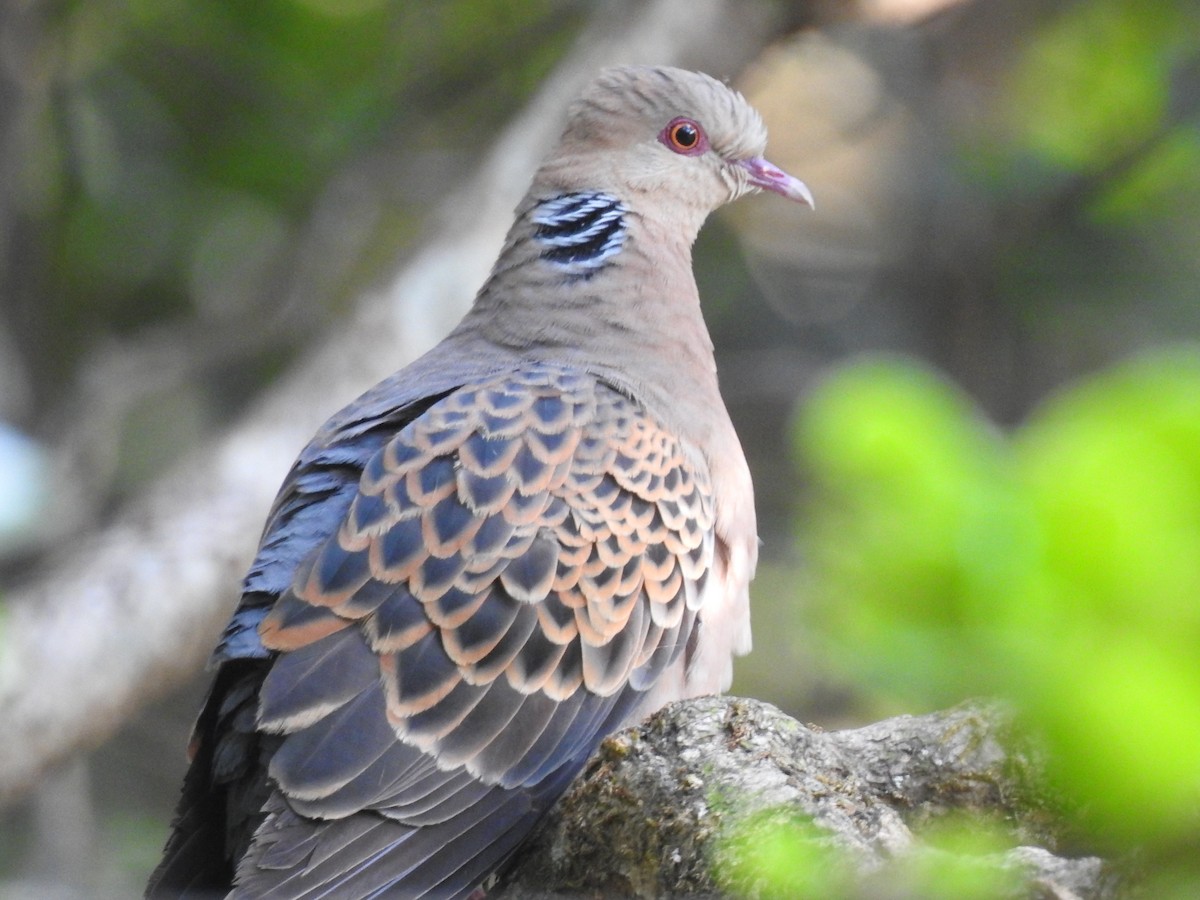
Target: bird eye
{"type": "Point", "coordinates": [684, 136]}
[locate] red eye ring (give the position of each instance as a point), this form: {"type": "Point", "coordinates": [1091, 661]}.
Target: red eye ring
{"type": "Point", "coordinates": [684, 135]}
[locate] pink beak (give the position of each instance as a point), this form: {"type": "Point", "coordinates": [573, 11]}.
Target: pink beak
{"type": "Point", "coordinates": [770, 177]}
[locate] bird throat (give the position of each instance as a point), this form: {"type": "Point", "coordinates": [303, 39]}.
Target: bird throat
{"type": "Point", "coordinates": [580, 233]}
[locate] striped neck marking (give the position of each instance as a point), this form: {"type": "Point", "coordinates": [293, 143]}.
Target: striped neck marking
{"type": "Point", "coordinates": [580, 232]}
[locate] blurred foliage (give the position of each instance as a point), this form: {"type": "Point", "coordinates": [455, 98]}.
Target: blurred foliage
{"type": "Point", "coordinates": [201, 187]}
{"type": "Point", "coordinates": [180, 144]}
{"type": "Point", "coordinates": [1093, 156]}
{"type": "Point", "coordinates": [1120, 57]}
{"type": "Point", "coordinates": [1058, 567]}
{"type": "Point", "coordinates": [778, 854]}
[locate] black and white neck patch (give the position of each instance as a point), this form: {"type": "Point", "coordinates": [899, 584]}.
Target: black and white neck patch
{"type": "Point", "coordinates": [580, 232]}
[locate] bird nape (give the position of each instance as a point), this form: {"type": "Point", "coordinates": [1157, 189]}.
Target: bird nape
{"type": "Point", "coordinates": [540, 531]}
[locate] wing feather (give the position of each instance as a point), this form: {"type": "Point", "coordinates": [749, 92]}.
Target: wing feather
{"type": "Point", "coordinates": [515, 571]}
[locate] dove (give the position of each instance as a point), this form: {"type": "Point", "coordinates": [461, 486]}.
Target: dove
{"type": "Point", "coordinates": [537, 533]}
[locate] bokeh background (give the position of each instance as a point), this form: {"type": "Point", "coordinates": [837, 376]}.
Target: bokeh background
{"type": "Point", "coordinates": [968, 383]}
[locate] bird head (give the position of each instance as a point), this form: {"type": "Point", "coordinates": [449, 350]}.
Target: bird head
{"type": "Point", "coordinates": [666, 141]}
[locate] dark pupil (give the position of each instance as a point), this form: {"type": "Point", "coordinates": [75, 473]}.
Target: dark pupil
{"type": "Point", "coordinates": [685, 135]}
